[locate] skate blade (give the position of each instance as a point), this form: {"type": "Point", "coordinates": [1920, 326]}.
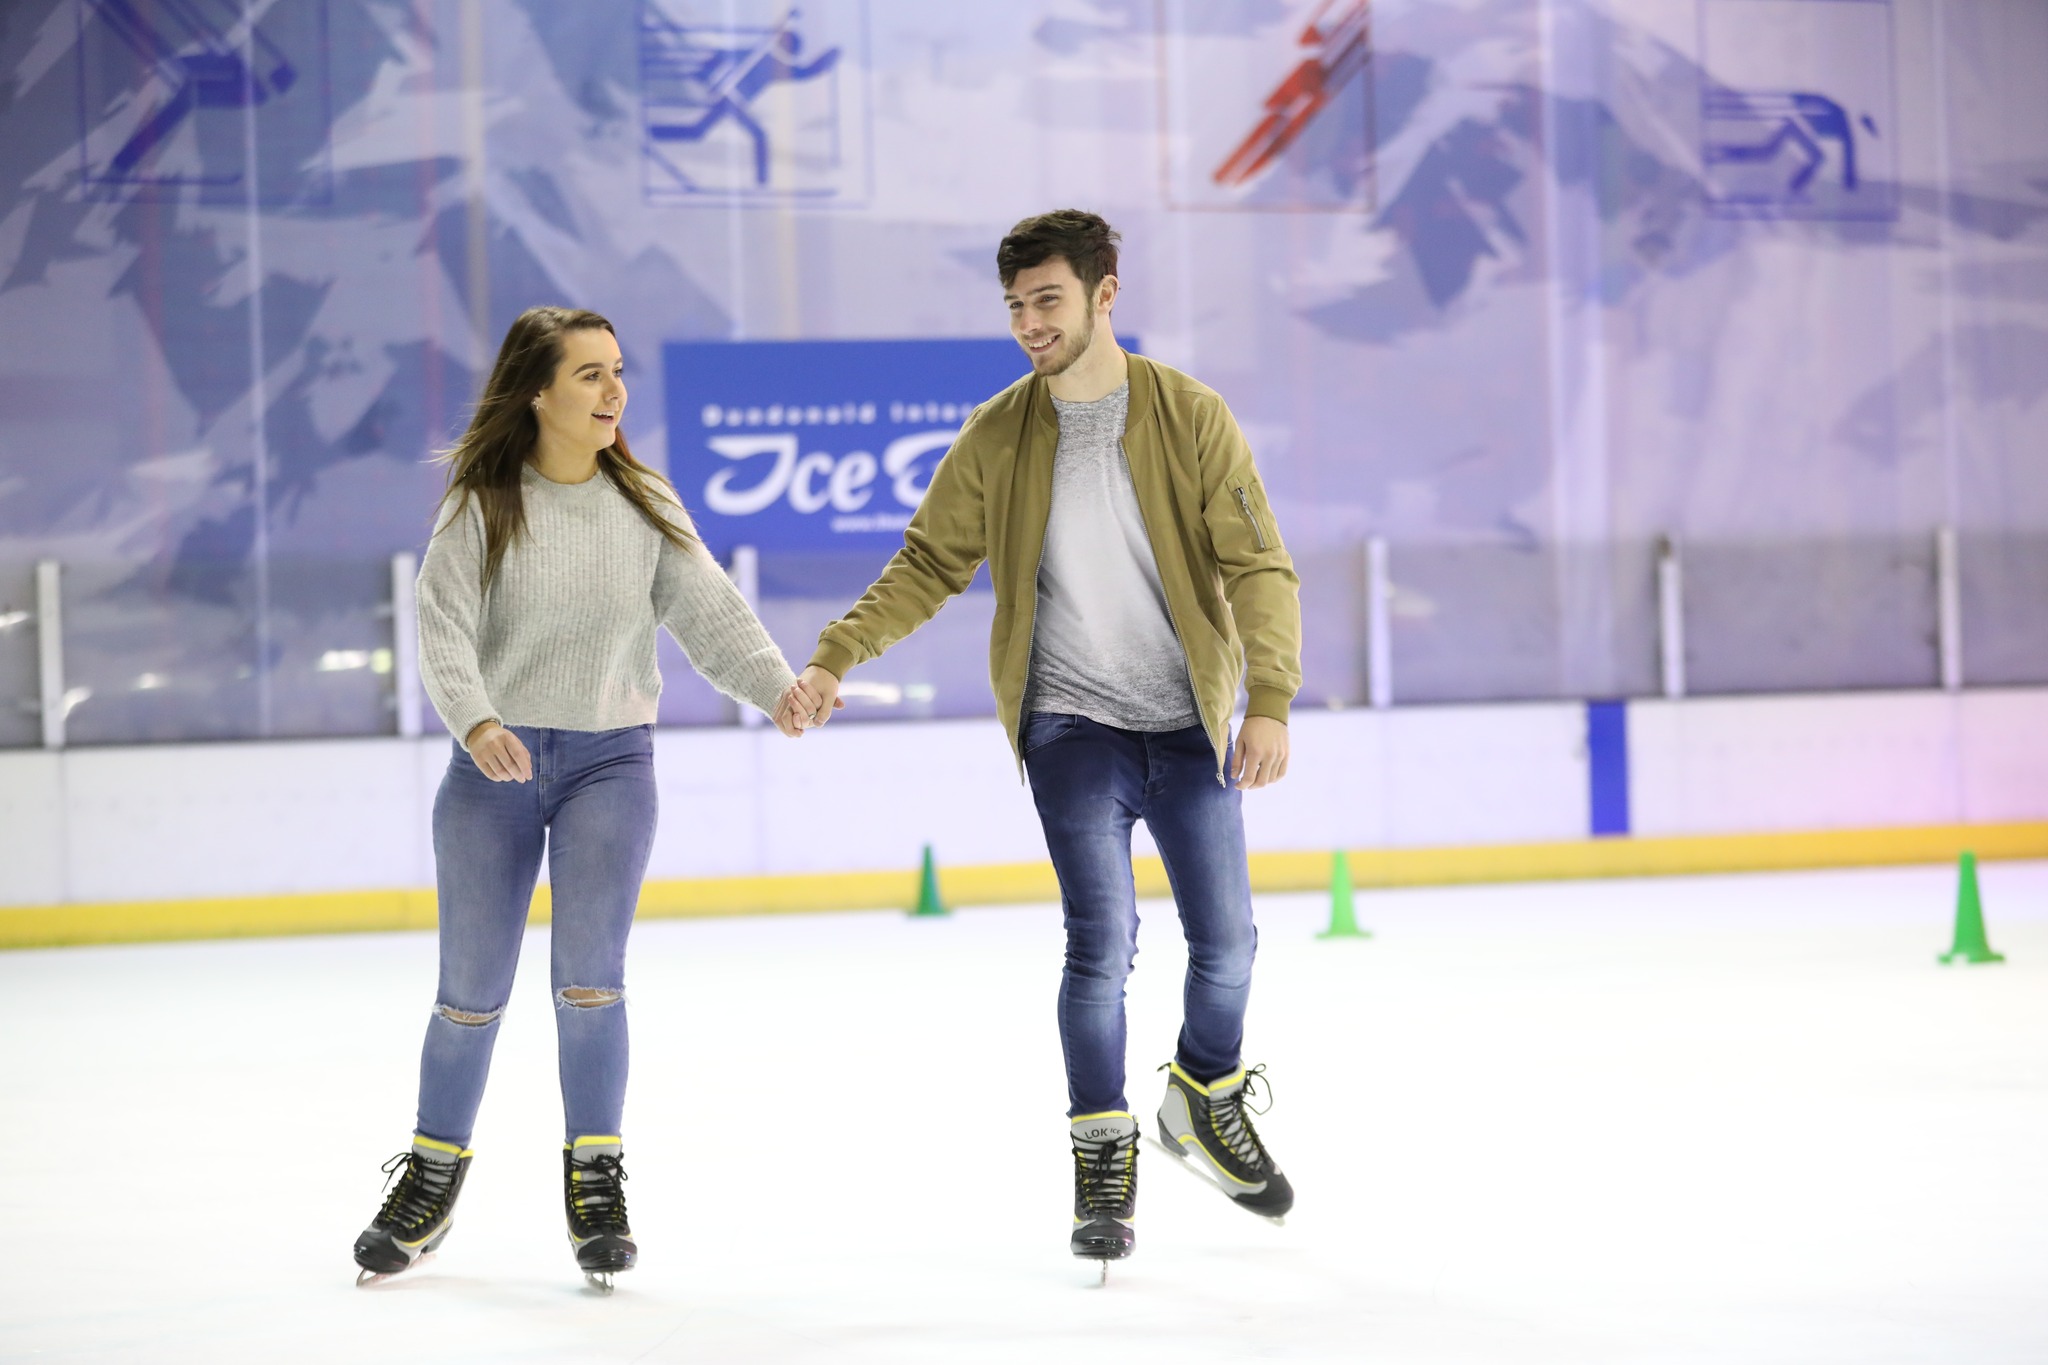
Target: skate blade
{"type": "Point", "coordinates": [1101, 1264]}
{"type": "Point", "coordinates": [1200, 1171]}
{"type": "Point", "coordinates": [369, 1279]}
{"type": "Point", "coordinates": [599, 1280]}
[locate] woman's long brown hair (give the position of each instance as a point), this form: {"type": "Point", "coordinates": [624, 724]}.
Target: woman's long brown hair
{"type": "Point", "coordinates": [486, 463]}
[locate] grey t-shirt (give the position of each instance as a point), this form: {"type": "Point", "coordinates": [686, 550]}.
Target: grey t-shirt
{"type": "Point", "coordinates": [1103, 645]}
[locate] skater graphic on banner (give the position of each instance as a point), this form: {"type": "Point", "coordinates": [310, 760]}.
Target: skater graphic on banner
{"type": "Point", "coordinates": [170, 94]}
{"type": "Point", "coordinates": [748, 110]}
{"type": "Point", "coordinates": [1798, 115]}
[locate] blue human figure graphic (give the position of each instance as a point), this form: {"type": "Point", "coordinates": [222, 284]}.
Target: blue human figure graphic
{"type": "Point", "coordinates": [1827, 119]}
{"type": "Point", "coordinates": [736, 78]}
{"type": "Point", "coordinates": [1803, 120]}
{"type": "Point", "coordinates": [215, 76]}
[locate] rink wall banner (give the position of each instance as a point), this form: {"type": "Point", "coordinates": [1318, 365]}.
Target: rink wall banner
{"type": "Point", "coordinates": [1525, 302]}
{"type": "Point", "coordinates": [807, 445]}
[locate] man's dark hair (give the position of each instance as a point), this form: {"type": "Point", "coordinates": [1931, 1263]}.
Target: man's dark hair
{"type": "Point", "coordinates": [1084, 240]}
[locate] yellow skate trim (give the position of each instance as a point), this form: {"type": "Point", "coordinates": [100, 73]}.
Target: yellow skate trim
{"type": "Point", "coordinates": [431, 1234]}
{"type": "Point", "coordinates": [614, 1140]}
{"type": "Point", "coordinates": [1189, 1142]}
{"type": "Point", "coordinates": [1224, 1082]}
{"type": "Point", "coordinates": [1105, 1114]}
{"type": "Point", "coordinates": [436, 1145]}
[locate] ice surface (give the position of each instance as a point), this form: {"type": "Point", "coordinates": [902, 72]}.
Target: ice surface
{"type": "Point", "coordinates": [1719, 1119]}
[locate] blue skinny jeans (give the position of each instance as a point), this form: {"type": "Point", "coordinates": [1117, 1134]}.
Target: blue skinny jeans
{"type": "Point", "coordinates": [591, 806]}
{"type": "Point", "coordinates": [1092, 783]}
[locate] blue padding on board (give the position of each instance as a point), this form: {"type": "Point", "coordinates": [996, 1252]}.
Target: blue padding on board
{"type": "Point", "coordinates": [1607, 765]}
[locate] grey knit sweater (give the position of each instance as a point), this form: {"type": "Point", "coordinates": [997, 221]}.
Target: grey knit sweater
{"type": "Point", "coordinates": [564, 638]}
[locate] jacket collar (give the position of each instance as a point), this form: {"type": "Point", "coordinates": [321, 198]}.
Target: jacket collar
{"type": "Point", "coordinates": [1144, 384]}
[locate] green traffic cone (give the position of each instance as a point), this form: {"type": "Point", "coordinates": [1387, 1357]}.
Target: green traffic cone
{"type": "Point", "coordinates": [928, 902]}
{"type": "Point", "coordinates": [1343, 914]}
{"type": "Point", "coordinates": [1971, 944]}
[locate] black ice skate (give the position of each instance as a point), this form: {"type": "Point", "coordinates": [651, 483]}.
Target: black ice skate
{"type": "Point", "coordinates": [1209, 1127]}
{"type": "Point", "coordinates": [418, 1210]}
{"type": "Point", "coordinates": [592, 1179]}
{"type": "Point", "coordinates": [1105, 1186]}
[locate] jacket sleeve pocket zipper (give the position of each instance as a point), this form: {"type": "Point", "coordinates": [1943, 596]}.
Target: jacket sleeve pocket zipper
{"type": "Point", "coordinates": [1244, 503]}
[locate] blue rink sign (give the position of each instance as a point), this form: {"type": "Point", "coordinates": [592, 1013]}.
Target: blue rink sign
{"type": "Point", "coordinates": [815, 445]}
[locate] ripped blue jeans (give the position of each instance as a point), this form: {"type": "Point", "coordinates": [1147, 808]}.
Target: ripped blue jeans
{"type": "Point", "coordinates": [591, 807]}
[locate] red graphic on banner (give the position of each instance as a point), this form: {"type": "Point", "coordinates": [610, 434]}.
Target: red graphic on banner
{"type": "Point", "coordinates": [1340, 47]}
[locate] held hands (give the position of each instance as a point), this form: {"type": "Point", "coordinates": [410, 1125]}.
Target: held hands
{"type": "Point", "coordinates": [809, 702]}
{"type": "Point", "coordinates": [1260, 759]}
{"type": "Point", "coordinates": [498, 754]}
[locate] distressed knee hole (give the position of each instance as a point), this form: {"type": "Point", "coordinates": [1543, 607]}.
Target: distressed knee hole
{"type": "Point", "coordinates": [467, 1018]}
{"type": "Point", "coordinates": [588, 997]}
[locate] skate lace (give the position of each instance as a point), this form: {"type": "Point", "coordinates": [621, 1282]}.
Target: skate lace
{"type": "Point", "coordinates": [422, 1193]}
{"type": "Point", "coordinates": [598, 1202]}
{"type": "Point", "coordinates": [1230, 1117]}
{"type": "Point", "coordinates": [1106, 1174]}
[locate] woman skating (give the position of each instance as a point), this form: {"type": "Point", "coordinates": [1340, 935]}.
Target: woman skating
{"type": "Point", "coordinates": [554, 557]}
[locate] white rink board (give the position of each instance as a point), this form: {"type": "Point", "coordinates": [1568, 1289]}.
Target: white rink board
{"type": "Point", "coordinates": [1843, 761]}
{"type": "Point", "coordinates": [172, 822]}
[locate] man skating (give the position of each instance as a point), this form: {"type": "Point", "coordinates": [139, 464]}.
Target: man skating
{"type": "Point", "coordinates": [1139, 578]}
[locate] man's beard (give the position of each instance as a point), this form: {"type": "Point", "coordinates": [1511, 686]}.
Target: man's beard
{"type": "Point", "coordinates": [1070, 349]}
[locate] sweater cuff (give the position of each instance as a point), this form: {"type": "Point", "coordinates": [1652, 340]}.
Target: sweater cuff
{"type": "Point", "coordinates": [780, 686]}
{"type": "Point", "coordinates": [461, 722]}
{"type": "Point", "coordinates": [833, 657]}
{"type": "Point", "coordinates": [1269, 702]}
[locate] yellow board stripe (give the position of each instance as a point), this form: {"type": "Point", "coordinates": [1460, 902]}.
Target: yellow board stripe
{"type": "Point", "coordinates": [334, 912]}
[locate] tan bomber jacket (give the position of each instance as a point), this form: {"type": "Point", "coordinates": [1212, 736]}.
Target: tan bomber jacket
{"type": "Point", "coordinates": [1230, 586]}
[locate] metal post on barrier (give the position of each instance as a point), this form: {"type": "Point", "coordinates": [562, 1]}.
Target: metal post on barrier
{"type": "Point", "coordinates": [1948, 608]}
{"type": "Point", "coordinates": [1379, 635]}
{"type": "Point", "coordinates": [745, 572]}
{"type": "Point", "coordinates": [50, 649]}
{"type": "Point", "coordinates": [405, 644]}
{"type": "Point", "coordinates": [1670, 618]}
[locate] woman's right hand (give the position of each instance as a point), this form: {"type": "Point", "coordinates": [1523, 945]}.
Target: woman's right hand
{"type": "Point", "coordinates": [498, 754]}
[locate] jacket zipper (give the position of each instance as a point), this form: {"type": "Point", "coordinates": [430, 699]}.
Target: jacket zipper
{"type": "Point", "coordinates": [1244, 503]}
{"type": "Point", "coordinates": [1031, 651]}
{"type": "Point", "coordinates": [1194, 689]}
{"type": "Point", "coordinates": [1023, 716]}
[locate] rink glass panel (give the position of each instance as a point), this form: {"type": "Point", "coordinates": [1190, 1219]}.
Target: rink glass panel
{"type": "Point", "coordinates": [193, 654]}
{"type": "Point", "coordinates": [1799, 616]}
{"type": "Point", "coordinates": [2004, 590]}
{"type": "Point", "coordinates": [1520, 621]}
{"type": "Point", "coordinates": [20, 678]}
{"type": "Point", "coordinates": [1333, 655]}
{"type": "Point", "coordinates": [151, 656]}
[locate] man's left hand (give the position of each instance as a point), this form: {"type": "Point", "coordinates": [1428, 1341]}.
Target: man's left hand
{"type": "Point", "coordinates": [1261, 756]}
